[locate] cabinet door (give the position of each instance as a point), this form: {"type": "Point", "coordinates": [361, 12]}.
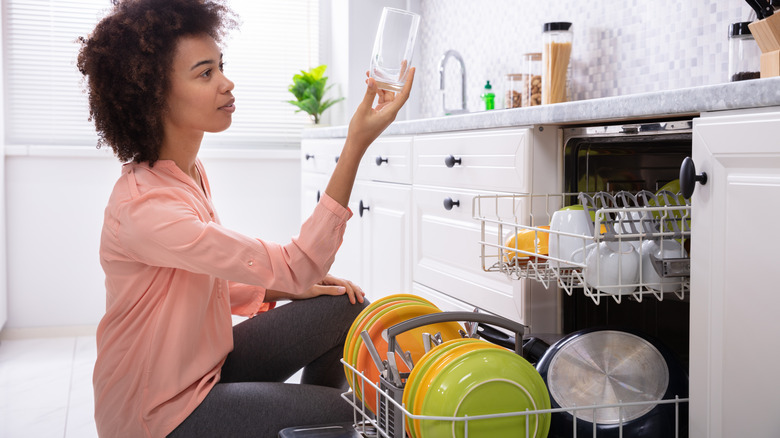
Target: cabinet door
{"type": "Point", "coordinates": [3, 278]}
{"type": "Point", "coordinates": [388, 159]}
{"type": "Point", "coordinates": [386, 238]}
{"type": "Point", "coordinates": [734, 299]}
{"type": "Point", "coordinates": [492, 160]}
{"type": "Point", "coordinates": [350, 257]}
{"type": "Point", "coordinates": [447, 253]}
{"type": "Point", "coordinates": [312, 187]}
{"type": "Point", "coordinates": [320, 154]}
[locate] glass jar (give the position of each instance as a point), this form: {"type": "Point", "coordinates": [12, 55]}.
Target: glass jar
{"type": "Point", "coordinates": [532, 78]}
{"type": "Point", "coordinates": [513, 83]}
{"type": "Point", "coordinates": [557, 43]}
{"type": "Point", "coordinates": [744, 53]}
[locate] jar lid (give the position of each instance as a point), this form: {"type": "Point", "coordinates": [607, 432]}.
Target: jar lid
{"type": "Point", "coordinates": [739, 29]}
{"type": "Point", "coordinates": [556, 25]}
{"type": "Point", "coordinates": [536, 56]}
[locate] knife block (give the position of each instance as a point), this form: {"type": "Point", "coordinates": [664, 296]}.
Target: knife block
{"type": "Point", "coordinates": [767, 34]}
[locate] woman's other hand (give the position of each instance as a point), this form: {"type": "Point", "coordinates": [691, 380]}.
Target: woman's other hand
{"type": "Point", "coordinates": [329, 285]}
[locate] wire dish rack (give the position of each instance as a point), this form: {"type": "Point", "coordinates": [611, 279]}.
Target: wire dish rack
{"type": "Point", "coordinates": [656, 225]}
{"type": "Point", "coordinates": [393, 418]}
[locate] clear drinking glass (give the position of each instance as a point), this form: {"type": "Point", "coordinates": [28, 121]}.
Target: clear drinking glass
{"type": "Point", "coordinates": [393, 48]}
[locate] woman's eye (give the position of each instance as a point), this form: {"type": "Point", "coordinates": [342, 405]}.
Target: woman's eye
{"type": "Point", "coordinates": [221, 66]}
{"type": "Point", "coordinates": [206, 73]}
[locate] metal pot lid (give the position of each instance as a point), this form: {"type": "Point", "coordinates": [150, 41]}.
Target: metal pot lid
{"type": "Point", "coordinates": [608, 367]}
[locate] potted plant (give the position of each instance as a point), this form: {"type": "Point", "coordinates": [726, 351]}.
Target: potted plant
{"type": "Point", "coordinates": [309, 88]}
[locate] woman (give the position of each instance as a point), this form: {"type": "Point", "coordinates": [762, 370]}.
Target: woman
{"type": "Point", "coordinates": [169, 362]}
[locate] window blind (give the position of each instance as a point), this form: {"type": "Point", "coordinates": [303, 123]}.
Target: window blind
{"type": "Point", "coordinates": [45, 103]}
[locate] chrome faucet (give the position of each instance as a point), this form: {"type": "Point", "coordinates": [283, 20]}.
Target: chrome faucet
{"type": "Point", "coordinates": [442, 62]}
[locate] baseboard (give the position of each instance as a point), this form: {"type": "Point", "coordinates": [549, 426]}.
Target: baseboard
{"type": "Point", "coordinates": [8, 334]}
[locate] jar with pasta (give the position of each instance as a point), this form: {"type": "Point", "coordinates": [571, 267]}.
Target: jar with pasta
{"type": "Point", "coordinates": [556, 54]}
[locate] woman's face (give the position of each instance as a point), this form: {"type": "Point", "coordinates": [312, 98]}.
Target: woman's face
{"type": "Point", "coordinates": [200, 97]}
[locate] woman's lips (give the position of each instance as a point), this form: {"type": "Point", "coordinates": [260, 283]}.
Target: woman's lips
{"type": "Point", "coordinates": [230, 107]}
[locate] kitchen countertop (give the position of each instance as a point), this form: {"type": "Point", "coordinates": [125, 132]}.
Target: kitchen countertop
{"type": "Point", "coordinates": [682, 102]}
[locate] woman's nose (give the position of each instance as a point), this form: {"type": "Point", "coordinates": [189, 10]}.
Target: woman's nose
{"type": "Point", "coordinates": [227, 84]}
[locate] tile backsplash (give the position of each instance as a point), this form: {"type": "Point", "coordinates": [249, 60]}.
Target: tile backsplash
{"type": "Point", "coordinates": [619, 46]}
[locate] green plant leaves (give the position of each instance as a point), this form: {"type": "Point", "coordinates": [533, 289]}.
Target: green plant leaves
{"type": "Point", "coordinates": [309, 88]}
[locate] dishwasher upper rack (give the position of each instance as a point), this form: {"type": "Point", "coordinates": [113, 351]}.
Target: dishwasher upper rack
{"type": "Point", "coordinates": [387, 425]}
{"type": "Point", "coordinates": [623, 217]}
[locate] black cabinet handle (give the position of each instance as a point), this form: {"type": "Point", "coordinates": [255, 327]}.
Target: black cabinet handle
{"type": "Point", "coordinates": [689, 178]}
{"type": "Point", "coordinates": [380, 160]}
{"type": "Point", "coordinates": [309, 156]}
{"type": "Point", "coordinates": [362, 207]}
{"type": "Point", "coordinates": [318, 196]}
{"type": "Point", "coordinates": [337, 158]}
{"type": "Point", "coordinates": [449, 203]}
{"type": "Point", "coordinates": [451, 161]}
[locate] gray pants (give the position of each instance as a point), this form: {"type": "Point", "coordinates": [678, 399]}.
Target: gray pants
{"type": "Point", "coordinates": [251, 399]}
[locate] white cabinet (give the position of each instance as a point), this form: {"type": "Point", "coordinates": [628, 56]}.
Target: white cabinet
{"type": "Point", "coordinates": [498, 159]}
{"type": "Point", "coordinates": [446, 251]}
{"type": "Point", "coordinates": [375, 253]}
{"type": "Point", "coordinates": [734, 300]}
{"type": "Point", "coordinates": [450, 170]}
{"type": "Point", "coordinates": [417, 231]}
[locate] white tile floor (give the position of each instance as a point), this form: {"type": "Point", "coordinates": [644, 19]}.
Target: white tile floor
{"type": "Point", "coordinates": [46, 387]}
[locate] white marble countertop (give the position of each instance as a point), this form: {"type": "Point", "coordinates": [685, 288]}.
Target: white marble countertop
{"type": "Point", "coordinates": [662, 104]}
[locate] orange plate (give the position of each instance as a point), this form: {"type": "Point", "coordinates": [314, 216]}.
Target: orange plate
{"type": "Point", "coordinates": [410, 340]}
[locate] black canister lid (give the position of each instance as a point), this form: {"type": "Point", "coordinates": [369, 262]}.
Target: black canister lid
{"type": "Point", "coordinates": [739, 29]}
{"type": "Point", "coordinates": [556, 25]}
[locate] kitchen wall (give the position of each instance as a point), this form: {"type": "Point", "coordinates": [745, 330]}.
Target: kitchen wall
{"type": "Point", "coordinates": [55, 198]}
{"type": "Point", "coordinates": [620, 46]}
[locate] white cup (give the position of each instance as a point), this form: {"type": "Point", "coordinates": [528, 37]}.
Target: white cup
{"type": "Point", "coordinates": [668, 248]}
{"type": "Point", "coordinates": [391, 57]}
{"type": "Point", "coordinates": [572, 220]}
{"type": "Point", "coordinates": [610, 267]}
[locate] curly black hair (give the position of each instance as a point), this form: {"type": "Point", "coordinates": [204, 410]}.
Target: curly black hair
{"type": "Point", "coordinates": [127, 60]}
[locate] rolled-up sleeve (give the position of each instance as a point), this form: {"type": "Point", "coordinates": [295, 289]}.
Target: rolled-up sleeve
{"type": "Point", "coordinates": [167, 228]}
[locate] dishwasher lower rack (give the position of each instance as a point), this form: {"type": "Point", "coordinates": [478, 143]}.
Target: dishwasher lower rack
{"type": "Point", "coordinates": [393, 417]}
{"type": "Point", "coordinates": [656, 226]}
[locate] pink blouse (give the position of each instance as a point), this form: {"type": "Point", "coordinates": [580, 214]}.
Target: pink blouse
{"type": "Point", "coordinates": [174, 276]}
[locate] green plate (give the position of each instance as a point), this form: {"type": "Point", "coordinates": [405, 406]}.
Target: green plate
{"type": "Point", "coordinates": [413, 391]}
{"type": "Point", "coordinates": [482, 382]}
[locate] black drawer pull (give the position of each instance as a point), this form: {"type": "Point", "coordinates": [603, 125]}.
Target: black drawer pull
{"type": "Point", "coordinates": [451, 161]}
{"type": "Point", "coordinates": [362, 207]}
{"type": "Point", "coordinates": [449, 203]}
{"type": "Point", "coordinates": [309, 156]}
{"type": "Point", "coordinates": [337, 158]}
{"type": "Point", "coordinates": [318, 196]}
{"type": "Point", "coordinates": [380, 160]}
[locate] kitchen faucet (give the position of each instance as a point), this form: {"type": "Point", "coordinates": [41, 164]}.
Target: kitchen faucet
{"type": "Point", "coordinates": [456, 55]}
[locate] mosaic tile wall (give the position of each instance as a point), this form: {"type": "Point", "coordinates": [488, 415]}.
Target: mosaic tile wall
{"type": "Point", "coordinates": [619, 46]}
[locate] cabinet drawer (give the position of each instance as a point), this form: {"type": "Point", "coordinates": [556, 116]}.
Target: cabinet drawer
{"type": "Point", "coordinates": [485, 160]}
{"type": "Point", "coordinates": [320, 155]}
{"type": "Point", "coordinates": [388, 159]}
{"type": "Point", "coordinates": [446, 251]}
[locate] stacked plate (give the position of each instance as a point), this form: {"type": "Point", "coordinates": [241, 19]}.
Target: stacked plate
{"type": "Point", "coordinates": [375, 319]}
{"type": "Point", "coordinates": [471, 377]}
